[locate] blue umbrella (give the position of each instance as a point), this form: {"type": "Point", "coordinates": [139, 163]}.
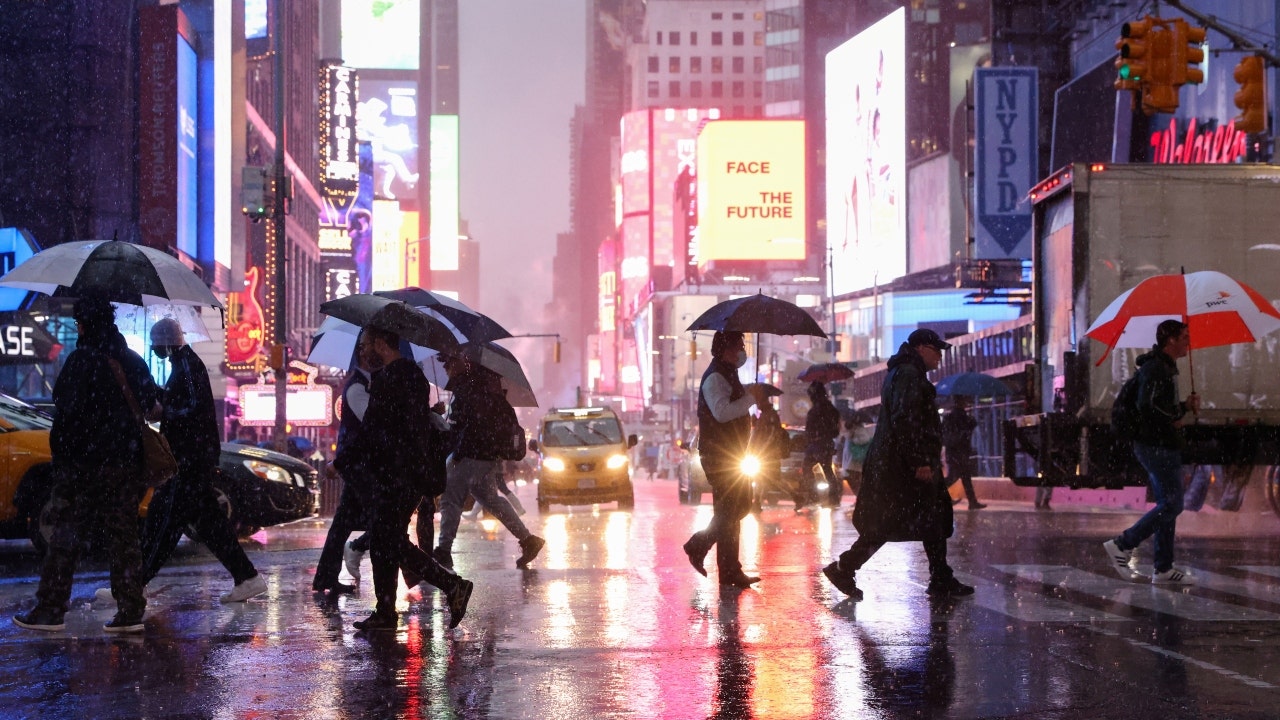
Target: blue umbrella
{"type": "Point", "coordinates": [973, 384]}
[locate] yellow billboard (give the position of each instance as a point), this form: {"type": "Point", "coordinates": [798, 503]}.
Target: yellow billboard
{"type": "Point", "coordinates": [751, 200]}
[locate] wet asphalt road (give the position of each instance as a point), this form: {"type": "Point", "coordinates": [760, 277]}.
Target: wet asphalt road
{"type": "Point", "coordinates": [612, 623]}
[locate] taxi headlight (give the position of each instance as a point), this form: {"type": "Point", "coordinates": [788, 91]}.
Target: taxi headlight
{"type": "Point", "coordinates": [267, 471]}
{"type": "Point", "coordinates": [553, 464]}
{"type": "Point", "coordinates": [750, 465]}
{"type": "Point", "coordinates": [615, 461]}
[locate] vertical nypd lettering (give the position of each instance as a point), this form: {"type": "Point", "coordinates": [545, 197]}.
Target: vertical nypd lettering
{"type": "Point", "coordinates": [1005, 160]}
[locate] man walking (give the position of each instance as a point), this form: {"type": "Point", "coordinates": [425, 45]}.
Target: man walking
{"type": "Point", "coordinates": [96, 444]}
{"type": "Point", "coordinates": [724, 428]}
{"type": "Point", "coordinates": [957, 440]}
{"type": "Point", "coordinates": [1157, 443]}
{"type": "Point", "coordinates": [903, 497]}
{"type": "Point", "coordinates": [394, 445]}
{"type": "Point", "coordinates": [190, 424]}
{"type": "Point", "coordinates": [821, 426]}
{"type": "Point", "coordinates": [480, 417]}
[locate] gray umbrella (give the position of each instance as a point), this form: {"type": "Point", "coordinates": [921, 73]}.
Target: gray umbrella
{"type": "Point", "coordinates": [417, 325]}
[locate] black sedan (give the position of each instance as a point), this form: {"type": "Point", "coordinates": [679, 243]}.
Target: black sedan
{"type": "Point", "coordinates": [260, 488]}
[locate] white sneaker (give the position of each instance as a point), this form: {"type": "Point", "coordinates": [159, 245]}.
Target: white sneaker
{"type": "Point", "coordinates": [473, 513]}
{"type": "Point", "coordinates": [103, 594]}
{"type": "Point", "coordinates": [252, 587]}
{"type": "Point", "coordinates": [352, 559]}
{"type": "Point", "coordinates": [1125, 562]}
{"type": "Point", "coordinates": [1172, 576]}
{"type": "Point", "coordinates": [515, 503]}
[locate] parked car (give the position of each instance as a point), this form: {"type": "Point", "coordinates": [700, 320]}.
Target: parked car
{"type": "Point", "coordinates": [258, 488]}
{"type": "Point", "coordinates": [691, 479]}
{"type": "Point", "coordinates": [691, 482]}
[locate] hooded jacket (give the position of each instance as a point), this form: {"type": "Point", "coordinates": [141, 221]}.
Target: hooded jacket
{"type": "Point", "coordinates": [1158, 404]}
{"type": "Point", "coordinates": [190, 422]}
{"type": "Point", "coordinates": [892, 504]}
{"type": "Point", "coordinates": [93, 425]}
{"type": "Point", "coordinates": [477, 415]}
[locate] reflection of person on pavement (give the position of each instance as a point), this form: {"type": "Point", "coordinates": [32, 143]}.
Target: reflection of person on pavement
{"type": "Point", "coordinates": [734, 676]}
{"type": "Point", "coordinates": [360, 229]}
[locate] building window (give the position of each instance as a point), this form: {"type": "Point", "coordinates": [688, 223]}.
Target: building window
{"type": "Point", "coordinates": [738, 88]}
{"type": "Point", "coordinates": [717, 16]}
{"type": "Point", "coordinates": [653, 63]}
{"type": "Point", "coordinates": [674, 38]}
{"type": "Point", "coordinates": [695, 64]}
{"type": "Point", "coordinates": [717, 38]}
{"type": "Point", "coordinates": [673, 64]}
{"type": "Point", "coordinates": [755, 111]}
{"type": "Point", "coordinates": [693, 37]}
{"type": "Point", "coordinates": [737, 16]}
{"type": "Point", "coordinates": [758, 16]}
{"type": "Point", "coordinates": [757, 89]}
{"type": "Point", "coordinates": [695, 89]}
{"type": "Point", "coordinates": [659, 35]}
{"type": "Point", "coordinates": [739, 64]}
{"type": "Point", "coordinates": [717, 65]}
{"type": "Point", "coordinates": [737, 111]}
{"type": "Point", "coordinates": [757, 64]}
{"type": "Point", "coordinates": [653, 88]}
{"type": "Point", "coordinates": [758, 39]}
{"type": "Point", "coordinates": [739, 38]}
{"type": "Point", "coordinates": [717, 89]}
{"type": "Point", "coordinates": [673, 88]}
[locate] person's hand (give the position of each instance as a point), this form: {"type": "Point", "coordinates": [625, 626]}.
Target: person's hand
{"type": "Point", "coordinates": [924, 473]}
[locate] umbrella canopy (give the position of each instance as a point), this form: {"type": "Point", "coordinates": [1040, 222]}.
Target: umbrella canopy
{"type": "Point", "coordinates": [417, 325]}
{"type": "Point", "coordinates": [973, 384]}
{"type": "Point", "coordinates": [138, 320]}
{"type": "Point", "coordinates": [758, 314]}
{"type": "Point", "coordinates": [496, 359]}
{"type": "Point", "coordinates": [825, 373]}
{"type": "Point", "coordinates": [334, 344]}
{"type": "Point", "coordinates": [769, 390]}
{"type": "Point", "coordinates": [119, 271]}
{"type": "Point", "coordinates": [476, 326]}
{"type": "Point", "coordinates": [1218, 310]}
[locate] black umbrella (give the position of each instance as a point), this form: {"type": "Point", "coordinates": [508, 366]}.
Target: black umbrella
{"type": "Point", "coordinates": [476, 326]}
{"type": "Point", "coordinates": [825, 373]}
{"type": "Point", "coordinates": [758, 314]}
{"type": "Point", "coordinates": [118, 271]}
{"type": "Point", "coordinates": [417, 325]}
{"type": "Point", "coordinates": [973, 384]}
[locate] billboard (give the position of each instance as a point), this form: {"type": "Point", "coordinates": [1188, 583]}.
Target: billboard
{"type": "Point", "coordinates": [168, 185]}
{"type": "Point", "coordinates": [388, 245]}
{"type": "Point", "coordinates": [866, 156]}
{"type": "Point", "coordinates": [751, 190]}
{"type": "Point", "coordinates": [444, 192]}
{"type": "Point", "coordinates": [634, 164]}
{"type": "Point", "coordinates": [675, 138]}
{"type": "Point", "coordinates": [387, 118]}
{"type": "Point", "coordinates": [339, 161]}
{"type": "Point", "coordinates": [381, 33]}
{"type": "Point", "coordinates": [1006, 163]}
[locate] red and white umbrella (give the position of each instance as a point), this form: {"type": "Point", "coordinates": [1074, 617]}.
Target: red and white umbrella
{"type": "Point", "coordinates": [1217, 309]}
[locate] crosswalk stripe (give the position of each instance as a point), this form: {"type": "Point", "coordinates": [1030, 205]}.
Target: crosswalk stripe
{"type": "Point", "coordinates": [1032, 606]}
{"type": "Point", "coordinates": [1250, 588]}
{"type": "Point", "coordinates": [1171, 601]}
{"type": "Point", "coordinates": [1270, 570]}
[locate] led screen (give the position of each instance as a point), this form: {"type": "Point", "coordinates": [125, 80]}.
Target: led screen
{"type": "Point", "coordinates": [387, 118]}
{"type": "Point", "coordinates": [255, 19]}
{"type": "Point", "coordinates": [381, 33]}
{"type": "Point", "coordinates": [388, 245]}
{"type": "Point", "coordinates": [675, 137]}
{"type": "Point", "coordinates": [866, 157]}
{"type": "Point", "coordinates": [634, 164]}
{"type": "Point", "coordinates": [751, 200]}
{"type": "Point", "coordinates": [187, 181]}
{"type": "Point", "coordinates": [444, 192]}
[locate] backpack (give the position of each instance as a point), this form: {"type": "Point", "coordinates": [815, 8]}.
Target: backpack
{"type": "Point", "coordinates": [1125, 418]}
{"type": "Point", "coordinates": [513, 446]}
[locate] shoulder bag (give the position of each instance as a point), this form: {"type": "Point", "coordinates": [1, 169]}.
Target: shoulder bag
{"type": "Point", "coordinates": [158, 462]}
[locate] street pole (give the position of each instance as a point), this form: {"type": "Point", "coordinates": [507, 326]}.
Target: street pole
{"type": "Point", "coordinates": [278, 436]}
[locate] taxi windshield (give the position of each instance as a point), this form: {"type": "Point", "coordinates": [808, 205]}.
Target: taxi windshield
{"type": "Point", "coordinates": [581, 431]}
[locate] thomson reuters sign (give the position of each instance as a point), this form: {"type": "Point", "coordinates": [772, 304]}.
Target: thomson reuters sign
{"type": "Point", "coordinates": [751, 202]}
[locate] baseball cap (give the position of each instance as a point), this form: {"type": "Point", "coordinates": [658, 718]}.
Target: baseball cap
{"type": "Point", "coordinates": [925, 336]}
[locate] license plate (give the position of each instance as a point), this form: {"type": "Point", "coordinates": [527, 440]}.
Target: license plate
{"type": "Point", "coordinates": [586, 483]}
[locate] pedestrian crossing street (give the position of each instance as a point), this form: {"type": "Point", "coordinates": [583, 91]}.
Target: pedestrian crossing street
{"type": "Point", "coordinates": [1064, 594]}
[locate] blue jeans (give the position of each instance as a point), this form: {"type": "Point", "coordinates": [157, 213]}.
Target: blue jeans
{"type": "Point", "coordinates": [480, 478]}
{"type": "Point", "coordinates": [1164, 473]}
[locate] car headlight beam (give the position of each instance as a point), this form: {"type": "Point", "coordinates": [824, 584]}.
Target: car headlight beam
{"type": "Point", "coordinates": [616, 461]}
{"type": "Point", "coordinates": [750, 465]}
{"type": "Point", "coordinates": [553, 464]}
{"type": "Point", "coordinates": [267, 471]}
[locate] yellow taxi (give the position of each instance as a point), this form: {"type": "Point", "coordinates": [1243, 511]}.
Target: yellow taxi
{"type": "Point", "coordinates": [583, 458]}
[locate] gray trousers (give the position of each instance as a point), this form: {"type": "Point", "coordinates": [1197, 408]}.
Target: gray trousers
{"type": "Point", "coordinates": [480, 478]}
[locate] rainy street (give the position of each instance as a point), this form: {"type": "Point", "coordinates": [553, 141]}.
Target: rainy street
{"type": "Point", "coordinates": [612, 622]}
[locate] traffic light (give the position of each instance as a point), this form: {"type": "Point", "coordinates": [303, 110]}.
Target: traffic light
{"type": "Point", "coordinates": [255, 192]}
{"type": "Point", "coordinates": [1188, 53]}
{"type": "Point", "coordinates": [1131, 66]}
{"type": "Point", "coordinates": [1158, 92]}
{"type": "Point", "coordinates": [1251, 73]}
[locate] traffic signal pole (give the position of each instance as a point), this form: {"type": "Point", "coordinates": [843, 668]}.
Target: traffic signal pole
{"type": "Point", "coordinates": [278, 437]}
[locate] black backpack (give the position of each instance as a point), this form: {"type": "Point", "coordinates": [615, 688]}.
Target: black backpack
{"type": "Point", "coordinates": [1125, 418]}
{"type": "Point", "coordinates": [512, 446]}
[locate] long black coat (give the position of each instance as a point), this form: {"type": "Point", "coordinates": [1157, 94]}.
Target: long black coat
{"type": "Point", "coordinates": [190, 422]}
{"type": "Point", "coordinates": [395, 439]}
{"type": "Point", "coordinates": [893, 505]}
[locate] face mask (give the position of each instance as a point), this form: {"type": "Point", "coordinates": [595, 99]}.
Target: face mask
{"type": "Point", "coordinates": [741, 359]}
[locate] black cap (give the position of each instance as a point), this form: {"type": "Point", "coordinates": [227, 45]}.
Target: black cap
{"type": "Point", "coordinates": [925, 336]}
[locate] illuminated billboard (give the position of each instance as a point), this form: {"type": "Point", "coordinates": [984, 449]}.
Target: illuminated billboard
{"type": "Point", "coordinates": [751, 199]}
{"type": "Point", "coordinates": [381, 33]}
{"type": "Point", "coordinates": [634, 164]}
{"type": "Point", "coordinates": [444, 192]}
{"type": "Point", "coordinates": [339, 161]}
{"type": "Point", "coordinates": [866, 156]}
{"type": "Point", "coordinates": [387, 118]}
{"type": "Point", "coordinates": [168, 164]}
{"type": "Point", "coordinates": [389, 243]}
{"type": "Point", "coordinates": [675, 137]}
